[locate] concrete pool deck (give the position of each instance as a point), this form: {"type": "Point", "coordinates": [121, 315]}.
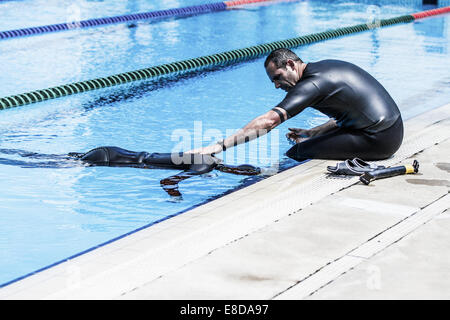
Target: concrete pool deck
{"type": "Point", "coordinates": [300, 234]}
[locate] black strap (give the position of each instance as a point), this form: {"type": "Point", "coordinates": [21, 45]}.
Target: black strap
{"type": "Point", "coordinates": [222, 144]}
{"type": "Point", "coordinates": [280, 114]}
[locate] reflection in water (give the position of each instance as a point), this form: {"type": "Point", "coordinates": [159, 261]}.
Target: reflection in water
{"type": "Point", "coordinates": [375, 52]}
{"type": "Point", "coordinates": [434, 31]}
{"type": "Point", "coordinates": [139, 90]}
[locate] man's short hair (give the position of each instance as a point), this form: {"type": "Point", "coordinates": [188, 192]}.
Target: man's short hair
{"type": "Point", "coordinates": [280, 57]}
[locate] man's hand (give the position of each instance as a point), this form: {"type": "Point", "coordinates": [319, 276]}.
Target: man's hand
{"type": "Point", "coordinates": [298, 135]}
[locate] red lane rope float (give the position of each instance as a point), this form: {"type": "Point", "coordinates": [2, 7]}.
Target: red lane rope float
{"type": "Point", "coordinates": [241, 2]}
{"type": "Point", "coordinates": [432, 12]}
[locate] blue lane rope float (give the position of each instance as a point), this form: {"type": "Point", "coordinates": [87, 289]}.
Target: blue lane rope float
{"type": "Point", "coordinates": [201, 63]}
{"type": "Point", "coordinates": [160, 14]}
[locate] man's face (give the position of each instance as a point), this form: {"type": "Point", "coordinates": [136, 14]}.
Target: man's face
{"type": "Point", "coordinates": [284, 78]}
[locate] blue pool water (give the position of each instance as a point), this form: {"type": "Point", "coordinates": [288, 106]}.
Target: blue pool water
{"type": "Point", "coordinates": [48, 214]}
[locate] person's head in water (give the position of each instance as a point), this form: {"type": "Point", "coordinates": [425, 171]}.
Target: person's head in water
{"type": "Point", "coordinates": [284, 68]}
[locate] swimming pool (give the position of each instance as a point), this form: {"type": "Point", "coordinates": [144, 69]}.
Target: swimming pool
{"type": "Point", "coordinates": [49, 214]}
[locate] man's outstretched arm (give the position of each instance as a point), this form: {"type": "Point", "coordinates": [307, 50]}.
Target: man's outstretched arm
{"type": "Point", "coordinates": [255, 128]}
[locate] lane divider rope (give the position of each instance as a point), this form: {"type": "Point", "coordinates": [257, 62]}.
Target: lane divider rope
{"type": "Point", "coordinates": [432, 12]}
{"type": "Point", "coordinates": [160, 14]}
{"type": "Point", "coordinates": [201, 63]}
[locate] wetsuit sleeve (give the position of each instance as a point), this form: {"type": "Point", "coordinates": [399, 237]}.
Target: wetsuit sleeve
{"type": "Point", "coordinates": [303, 95]}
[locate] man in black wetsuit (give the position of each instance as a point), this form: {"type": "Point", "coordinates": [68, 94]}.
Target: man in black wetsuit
{"type": "Point", "coordinates": [364, 120]}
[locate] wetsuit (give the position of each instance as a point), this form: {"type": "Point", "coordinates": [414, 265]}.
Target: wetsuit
{"type": "Point", "coordinates": [369, 124]}
{"type": "Point", "coordinates": [118, 157]}
{"type": "Point", "coordinates": [193, 164]}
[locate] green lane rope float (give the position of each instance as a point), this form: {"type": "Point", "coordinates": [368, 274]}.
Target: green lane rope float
{"type": "Point", "coordinates": [201, 63]}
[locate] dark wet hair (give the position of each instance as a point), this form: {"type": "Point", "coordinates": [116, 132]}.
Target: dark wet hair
{"type": "Point", "coordinates": [280, 57]}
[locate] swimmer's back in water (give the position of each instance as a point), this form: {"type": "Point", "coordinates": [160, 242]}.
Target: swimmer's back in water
{"type": "Point", "coordinates": [193, 163]}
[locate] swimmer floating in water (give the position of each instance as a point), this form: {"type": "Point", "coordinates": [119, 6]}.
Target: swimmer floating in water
{"type": "Point", "coordinates": [191, 164]}
{"type": "Point", "coordinates": [364, 120]}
